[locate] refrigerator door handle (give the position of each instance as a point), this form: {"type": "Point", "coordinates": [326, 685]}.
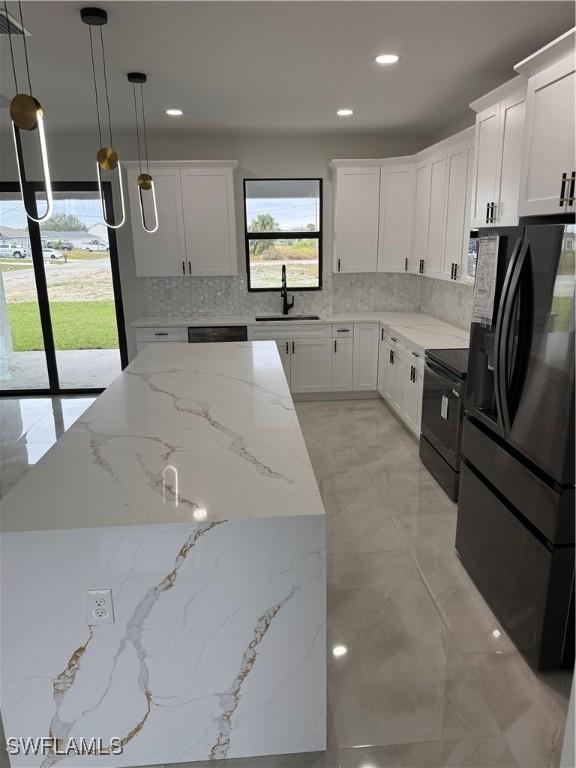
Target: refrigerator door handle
{"type": "Point", "coordinates": [498, 332]}
{"type": "Point", "coordinates": [502, 360]}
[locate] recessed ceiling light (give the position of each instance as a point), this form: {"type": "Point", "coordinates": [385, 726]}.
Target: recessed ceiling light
{"type": "Point", "coordinates": [174, 112]}
{"type": "Point", "coordinates": [200, 513]}
{"type": "Point", "coordinates": [345, 112]}
{"type": "Point", "coordinates": [339, 650]}
{"type": "Point", "coordinates": [387, 58]}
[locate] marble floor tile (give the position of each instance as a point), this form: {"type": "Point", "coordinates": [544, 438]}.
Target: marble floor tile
{"type": "Point", "coordinates": [529, 707]}
{"type": "Point", "coordinates": [362, 525]}
{"type": "Point", "coordinates": [489, 752]}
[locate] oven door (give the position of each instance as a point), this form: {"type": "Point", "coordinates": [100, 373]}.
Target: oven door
{"type": "Point", "coordinates": [442, 412]}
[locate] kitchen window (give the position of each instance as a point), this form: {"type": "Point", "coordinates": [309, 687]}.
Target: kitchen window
{"type": "Point", "coordinates": [283, 226]}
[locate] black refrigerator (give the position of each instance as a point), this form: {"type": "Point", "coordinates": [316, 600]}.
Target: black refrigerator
{"type": "Point", "coordinates": [515, 532]}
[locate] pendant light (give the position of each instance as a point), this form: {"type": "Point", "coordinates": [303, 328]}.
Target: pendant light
{"type": "Point", "coordinates": [106, 157]}
{"type": "Point", "coordinates": [144, 181]}
{"type": "Point", "coordinates": [26, 114]}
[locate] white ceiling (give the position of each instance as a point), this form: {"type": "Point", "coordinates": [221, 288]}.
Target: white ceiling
{"type": "Point", "coordinates": [284, 65]}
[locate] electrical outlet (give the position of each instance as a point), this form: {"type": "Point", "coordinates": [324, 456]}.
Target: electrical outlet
{"type": "Point", "coordinates": [99, 606]}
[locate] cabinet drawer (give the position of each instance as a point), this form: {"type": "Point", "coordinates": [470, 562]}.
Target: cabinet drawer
{"type": "Point", "coordinates": [288, 330]}
{"type": "Point", "coordinates": [343, 330]}
{"type": "Point", "coordinates": [178, 333]}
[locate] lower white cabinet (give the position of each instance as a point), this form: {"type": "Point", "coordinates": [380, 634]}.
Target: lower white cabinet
{"type": "Point", "coordinates": [401, 379]}
{"type": "Point", "coordinates": [342, 365]}
{"type": "Point", "coordinates": [284, 352]}
{"type": "Point", "coordinates": [365, 356]}
{"type": "Point", "coordinates": [311, 365]}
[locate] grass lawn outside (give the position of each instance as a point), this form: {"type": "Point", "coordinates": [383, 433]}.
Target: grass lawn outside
{"type": "Point", "coordinates": [86, 255]}
{"type": "Point", "coordinates": [77, 325]}
{"type": "Point", "coordinates": [11, 265]}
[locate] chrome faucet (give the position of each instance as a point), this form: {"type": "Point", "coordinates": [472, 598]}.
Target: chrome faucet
{"type": "Point", "coordinates": [286, 305]}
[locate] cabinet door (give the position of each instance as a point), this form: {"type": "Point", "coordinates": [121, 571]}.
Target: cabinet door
{"type": "Point", "coordinates": [421, 214]}
{"type": "Point", "coordinates": [457, 217]}
{"type": "Point", "coordinates": [509, 160]}
{"type": "Point", "coordinates": [209, 221]}
{"type": "Point", "coordinates": [410, 400]}
{"type": "Point", "coordinates": [356, 220]}
{"type": "Point", "coordinates": [342, 365]}
{"type": "Point", "coordinates": [548, 149]}
{"type": "Point", "coordinates": [434, 260]}
{"type": "Point", "coordinates": [467, 265]}
{"type": "Point", "coordinates": [284, 348]}
{"type": "Point", "coordinates": [396, 218]}
{"type": "Point", "coordinates": [397, 376]}
{"type": "Point", "coordinates": [366, 356]}
{"type": "Point", "coordinates": [419, 394]}
{"type": "Point", "coordinates": [485, 163]}
{"type": "Point", "coordinates": [160, 253]}
{"type": "Point", "coordinates": [311, 365]}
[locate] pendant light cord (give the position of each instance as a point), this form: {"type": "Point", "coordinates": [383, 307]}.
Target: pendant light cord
{"type": "Point", "coordinates": [25, 47]}
{"type": "Point", "coordinates": [137, 129]}
{"type": "Point", "coordinates": [106, 87]}
{"type": "Point", "coordinates": [144, 128]}
{"type": "Point", "coordinates": [95, 85]}
{"type": "Point", "coordinates": [11, 47]}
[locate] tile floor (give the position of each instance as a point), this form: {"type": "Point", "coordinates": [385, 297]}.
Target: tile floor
{"type": "Point", "coordinates": [428, 678]}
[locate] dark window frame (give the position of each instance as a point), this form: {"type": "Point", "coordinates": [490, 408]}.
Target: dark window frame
{"type": "Point", "coordinates": [30, 188]}
{"type": "Point", "coordinates": [286, 235]}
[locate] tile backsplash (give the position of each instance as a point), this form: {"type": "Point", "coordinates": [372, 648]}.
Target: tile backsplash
{"type": "Point", "coordinates": [213, 296]}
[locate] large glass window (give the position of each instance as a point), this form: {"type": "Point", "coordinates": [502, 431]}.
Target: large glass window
{"type": "Point", "coordinates": [283, 223]}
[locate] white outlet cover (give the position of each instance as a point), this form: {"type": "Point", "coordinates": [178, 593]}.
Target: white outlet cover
{"type": "Point", "coordinates": [99, 606]}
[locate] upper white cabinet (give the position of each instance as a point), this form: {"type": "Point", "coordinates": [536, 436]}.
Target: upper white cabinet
{"type": "Point", "coordinates": [498, 154]}
{"type": "Point", "coordinates": [396, 217]}
{"type": "Point", "coordinates": [209, 220]}
{"type": "Point", "coordinates": [548, 155]}
{"type": "Point", "coordinates": [434, 258]}
{"type": "Point", "coordinates": [159, 253]}
{"type": "Point", "coordinates": [421, 214]}
{"type": "Point", "coordinates": [459, 162]}
{"type": "Point", "coordinates": [356, 219]}
{"type": "Point", "coordinates": [196, 220]}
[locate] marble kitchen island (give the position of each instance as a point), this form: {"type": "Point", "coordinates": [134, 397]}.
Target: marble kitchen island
{"type": "Point", "coordinates": [185, 489]}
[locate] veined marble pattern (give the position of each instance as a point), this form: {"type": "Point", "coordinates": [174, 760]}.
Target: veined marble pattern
{"type": "Point", "coordinates": [419, 638]}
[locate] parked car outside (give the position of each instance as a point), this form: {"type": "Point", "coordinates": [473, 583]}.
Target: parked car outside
{"type": "Point", "coordinates": [60, 245]}
{"type": "Point", "coordinates": [95, 245]}
{"type": "Point", "coordinates": [13, 251]}
{"type": "Point", "coordinates": [51, 253]}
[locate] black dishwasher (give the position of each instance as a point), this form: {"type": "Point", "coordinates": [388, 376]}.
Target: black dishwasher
{"type": "Point", "coordinates": [199, 334]}
{"type": "Point", "coordinates": [442, 412]}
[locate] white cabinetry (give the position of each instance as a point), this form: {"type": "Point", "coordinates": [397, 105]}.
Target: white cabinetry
{"type": "Point", "coordinates": [365, 356]}
{"type": "Point", "coordinates": [459, 163]}
{"type": "Point", "coordinates": [311, 366]}
{"type": "Point", "coordinates": [421, 214]}
{"type": "Point", "coordinates": [548, 155]}
{"type": "Point", "coordinates": [160, 253]}
{"type": "Point", "coordinates": [209, 220]}
{"type": "Point", "coordinates": [356, 219]}
{"type": "Point", "coordinates": [497, 162]}
{"type": "Point", "coordinates": [396, 217]}
{"type": "Point", "coordinates": [196, 221]}
{"type": "Point", "coordinates": [434, 259]}
{"type": "Point", "coordinates": [401, 378]}
{"type": "Point", "coordinates": [342, 364]}
{"type": "Point", "coordinates": [160, 334]}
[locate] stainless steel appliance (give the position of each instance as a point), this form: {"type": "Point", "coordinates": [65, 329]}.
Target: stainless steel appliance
{"type": "Point", "coordinates": [211, 333]}
{"type": "Point", "coordinates": [442, 413]}
{"type": "Point", "coordinates": [515, 532]}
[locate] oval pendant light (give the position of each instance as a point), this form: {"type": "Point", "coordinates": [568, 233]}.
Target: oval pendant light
{"type": "Point", "coordinates": [26, 114]}
{"type": "Point", "coordinates": [106, 158]}
{"type": "Point", "coordinates": [144, 181]}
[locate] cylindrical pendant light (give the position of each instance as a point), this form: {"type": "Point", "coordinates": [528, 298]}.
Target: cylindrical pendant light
{"type": "Point", "coordinates": [144, 181]}
{"type": "Point", "coordinates": [106, 158]}
{"type": "Point", "coordinates": [27, 114]}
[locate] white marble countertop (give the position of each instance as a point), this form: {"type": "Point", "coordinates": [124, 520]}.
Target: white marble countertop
{"type": "Point", "coordinates": [214, 421]}
{"type": "Point", "coordinates": [417, 328]}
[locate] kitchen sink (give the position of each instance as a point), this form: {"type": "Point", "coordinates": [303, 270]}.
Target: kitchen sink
{"type": "Point", "coordinates": [274, 318]}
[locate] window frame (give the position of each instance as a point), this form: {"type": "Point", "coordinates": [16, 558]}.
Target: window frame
{"type": "Point", "coordinates": [286, 235]}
